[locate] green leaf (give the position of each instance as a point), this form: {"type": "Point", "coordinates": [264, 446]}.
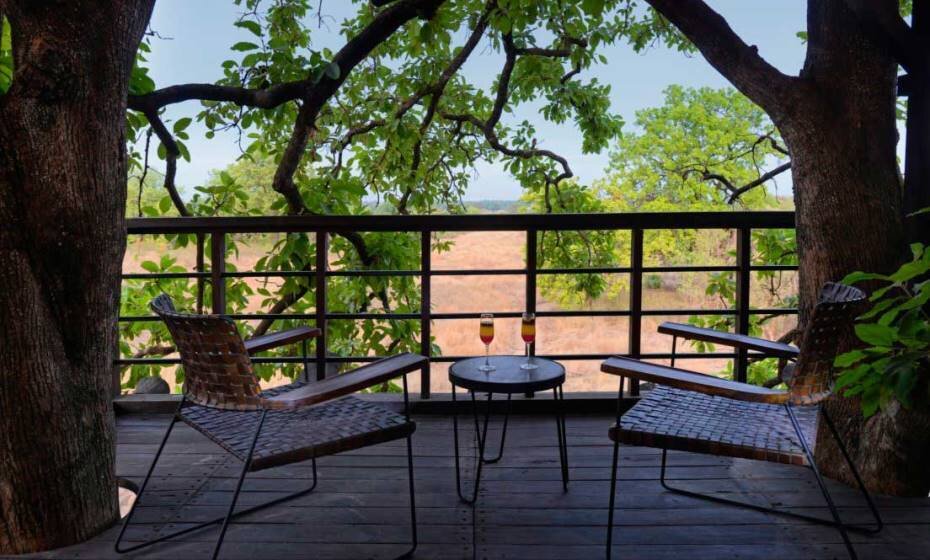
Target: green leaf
{"type": "Point", "coordinates": [875, 334]}
{"type": "Point", "coordinates": [150, 266]}
{"type": "Point", "coordinates": [849, 358]}
{"type": "Point", "coordinates": [181, 124]}
{"type": "Point", "coordinates": [332, 71]}
{"type": "Point", "coordinates": [243, 46]}
{"type": "Point", "coordinates": [854, 277]}
{"type": "Point", "coordinates": [252, 26]}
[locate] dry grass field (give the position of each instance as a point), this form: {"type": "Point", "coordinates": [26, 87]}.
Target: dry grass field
{"type": "Point", "coordinates": [502, 293]}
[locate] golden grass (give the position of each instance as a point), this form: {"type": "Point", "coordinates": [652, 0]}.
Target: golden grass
{"type": "Point", "coordinates": [501, 293]}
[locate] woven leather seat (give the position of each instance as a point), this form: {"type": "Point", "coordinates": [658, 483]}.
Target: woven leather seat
{"type": "Point", "coordinates": [298, 434]}
{"type": "Point", "coordinates": [671, 418]}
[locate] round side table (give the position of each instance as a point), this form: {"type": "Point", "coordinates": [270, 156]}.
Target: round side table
{"type": "Point", "coordinates": [507, 378]}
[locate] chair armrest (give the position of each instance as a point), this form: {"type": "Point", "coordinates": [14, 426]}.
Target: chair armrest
{"type": "Point", "coordinates": [279, 338]}
{"type": "Point", "coordinates": [691, 381]}
{"type": "Point", "coordinates": [766, 347]}
{"type": "Point", "coordinates": [349, 382]}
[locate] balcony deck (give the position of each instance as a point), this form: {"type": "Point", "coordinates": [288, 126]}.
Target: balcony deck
{"type": "Point", "coordinates": [359, 507]}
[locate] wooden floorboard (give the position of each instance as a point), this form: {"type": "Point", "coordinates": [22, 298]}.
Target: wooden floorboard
{"type": "Point", "coordinates": [359, 509]}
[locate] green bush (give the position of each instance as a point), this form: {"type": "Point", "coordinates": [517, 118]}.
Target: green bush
{"type": "Point", "coordinates": [894, 363]}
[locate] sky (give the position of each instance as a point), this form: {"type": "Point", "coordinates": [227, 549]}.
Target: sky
{"type": "Point", "coordinates": [197, 35]}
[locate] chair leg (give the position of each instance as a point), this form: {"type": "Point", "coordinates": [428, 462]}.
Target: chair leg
{"type": "Point", "coordinates": [145, 482]}
{"type": "Point", "coordinates": [413, 503]}
{"type": "Point", "coordinates": [879, 524]}
{"type": "Point", "coordinates": [205, 524]}
{"type": "Point", "coordinates": [613, 491]}
{"type": "Point", "coordinates": [819, 521]}
{"type": "Point", "coordinates": [820, 482]}
{"type": "Point", "coordinates": [245, 469]}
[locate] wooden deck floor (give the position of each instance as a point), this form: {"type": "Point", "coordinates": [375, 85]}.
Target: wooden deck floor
{"type": "Point", "coordinates": [359, 507]}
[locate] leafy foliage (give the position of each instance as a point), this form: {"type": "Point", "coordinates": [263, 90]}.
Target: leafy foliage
{"type": "Point", "coordinates": [686, 155]}
{"type": "Point", "coordinates": [894, 362]}
{"type": "Point", "coordinates": [6, 55]}
{"type": "Point", "coordinates": [406, 130]}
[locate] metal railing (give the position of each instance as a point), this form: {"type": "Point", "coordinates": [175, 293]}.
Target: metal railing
{"type": "Point", "coordinates": [322, 226]}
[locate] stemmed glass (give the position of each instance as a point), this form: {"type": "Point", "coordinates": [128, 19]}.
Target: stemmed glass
{"type": "Point", "coordinates": [486, 332]}
{"type": "Point", "coordinates": [528, 334]}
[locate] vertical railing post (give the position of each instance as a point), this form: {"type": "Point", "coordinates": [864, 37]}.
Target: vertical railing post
{"type": "Point", "coordinates": [217, 271]}
{"type": "Point", "coordinates": [743, 262]}
{"type": "Point", "coordinates": [636, 301]}
{"type": "Point", "coordinates": [531, 266]}
{"type": "Point", "coordinates": [426, 271]}
{"type": "Point", "coordinates": [201, 285]}
{"type": "Point", "coordinates": [322, 264]}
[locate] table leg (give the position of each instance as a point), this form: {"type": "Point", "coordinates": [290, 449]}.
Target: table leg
{"type": "Point", "coordinates": [500, 452]}
{"type": "Point", "coordinates": [558, 404]}
{"type": "Point", "coordinates": [482, 437]}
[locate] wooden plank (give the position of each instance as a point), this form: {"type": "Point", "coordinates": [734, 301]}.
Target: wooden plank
{"type": "Point", "coordinates": [691, 381]}
{"type": "Point", "coordinates": [347, 383]}
{"type": "Point", "coordinates": [359, 509]}
{"type": "Point", "coordinates": [766, 347]}
{"type": "Point", "coordinates": [279, 338]}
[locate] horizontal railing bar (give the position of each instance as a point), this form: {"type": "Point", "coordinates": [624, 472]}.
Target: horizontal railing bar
{"type": "Point", "coordinates": [470, 222]}
{"type": "Point", "coordinates": [447, 359]}
{"type": "Point", "coordinates": [690, 268]}
{"type": "Point", "coordinates": [773, 267]}
{"type": "Point", "coordinates": [604, 356]}
{"type": "Point", "coordinates": [477, 314]}
{"type": "Point", "coordinates": [590, 270]}
{"type": "Point", "coordinates": [163, 275]}
{"type": "Point", "coordinates": [270, 274]}
{"type": "Point", "coordinates": [468, 272]}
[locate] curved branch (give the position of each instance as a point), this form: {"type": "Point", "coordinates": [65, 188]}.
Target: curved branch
{"type": "Point", "coordinates": [728, 53]}
{"type": "Point", "coordinates": [348, 57]}
{"type": "Point", "coordinates": [267, 98]}
{"type": "Point", "coordinates": [171, 161]}
{"type": "Point", "coordinates": [736, 192]}
{"type": "Point", "coordinates": [487, 127]}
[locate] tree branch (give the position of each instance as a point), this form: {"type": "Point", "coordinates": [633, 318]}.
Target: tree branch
{"type": "Point", "coordinates": [351, 54]}
{"type": "Point", "coordinates": [736, 192]}
{"type": "Point", "coordinates": [728, 53]}
{"type": "Point", "coordinates": [171, 161]}
{"type": "Point", "coordinates": [267, 98]}
{"type": "Point", "coordinates": [500, 100]}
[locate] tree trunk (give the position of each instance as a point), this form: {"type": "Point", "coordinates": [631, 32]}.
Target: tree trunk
{"type": "Point", "coordinates": [848, 195]}
{"type": "Point", "coordinates": [62, 238]}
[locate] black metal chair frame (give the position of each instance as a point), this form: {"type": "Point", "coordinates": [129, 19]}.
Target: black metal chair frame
{"type": "Point", "coordinates": [163, 306]}
{"type": "Point", "coordinates": [836, 521]}
{"type": "Point", "coordinates": [232, 514]}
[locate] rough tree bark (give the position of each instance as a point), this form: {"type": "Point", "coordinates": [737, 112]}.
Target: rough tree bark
{"type": "Point", "coordinates": [848, 194]}
{"type": "Point", "coordinates": [837, 118]}
{"type": "Point", "coordinates": [62, 238]}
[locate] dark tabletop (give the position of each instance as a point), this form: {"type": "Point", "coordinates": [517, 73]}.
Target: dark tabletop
{"type": "Point", "coordinates": [508, 377]}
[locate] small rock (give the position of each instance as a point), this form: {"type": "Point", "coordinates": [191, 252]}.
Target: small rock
{"type": "Point", "coordinates": [152, 386]}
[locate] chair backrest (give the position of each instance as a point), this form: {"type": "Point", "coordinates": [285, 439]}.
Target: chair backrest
{"type": "Point", "coordinates": [217, 368]}
{"type": "Point", "coordinates": [830, 323]}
